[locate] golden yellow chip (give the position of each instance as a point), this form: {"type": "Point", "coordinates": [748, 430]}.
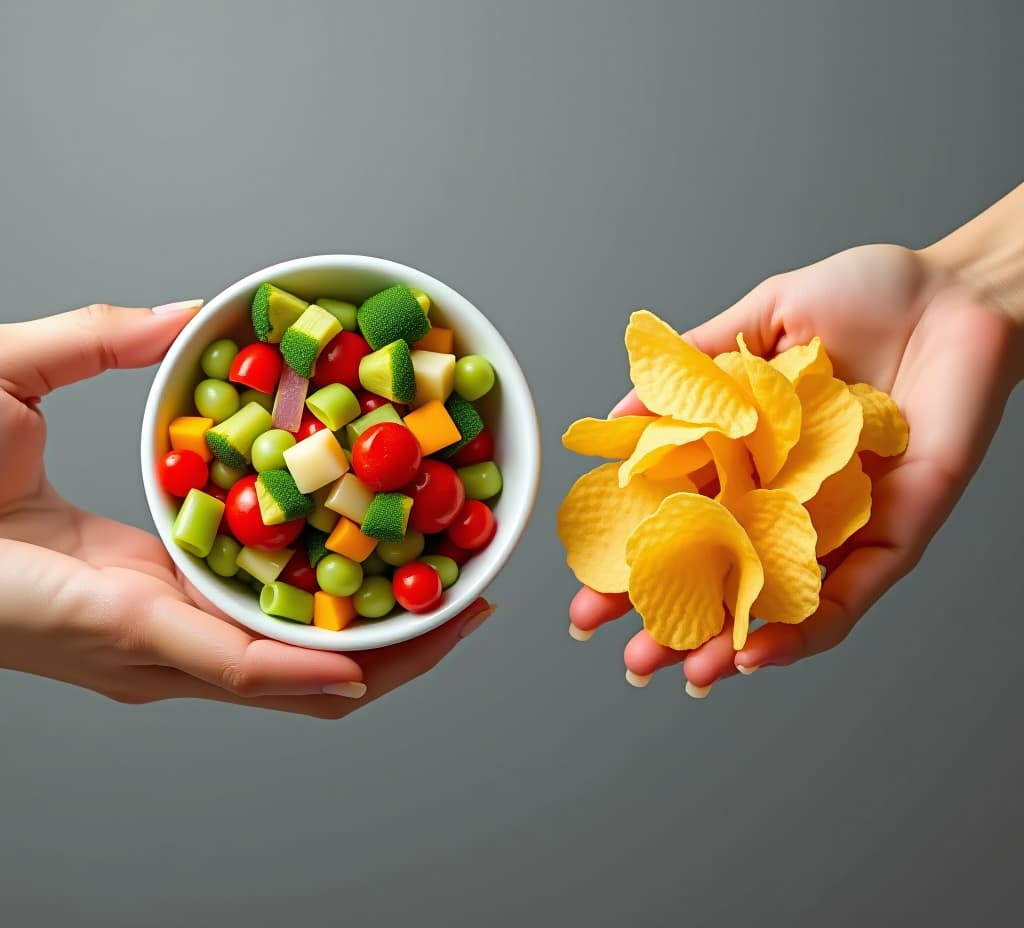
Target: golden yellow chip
{"type": "Point", "coordinates": [660, 438]}
{"type": "Point", "coordinates": [778, 414]}
{"type": "Point", "coordinates": [802, 360]}
{"type": "Point", "coordinates": [606, 438]}
{"type": "Point", "coordinates": [689, 561]}
{"type": "Point", "coordinates": [885, 430]}
{"type": "Point", "coordinates": [682, 461]}
{"type": "Point", "coordinates": [732, 363]}
{"type": "Point", "coordinates": [674, 379]}
{"type": "Point", "coordinates": [595, 519]}
{"type": "Point", "coordinates": [829, 432]}
{"type": "Point", "coordinates": [734, 466]}
{"type": "Point", "coordinates": [781, 532]}
{"type": "Point", "coordinates": [841, 506]}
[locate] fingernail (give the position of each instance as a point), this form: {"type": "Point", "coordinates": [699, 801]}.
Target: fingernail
{"type": "Point", "coordinates": [639, 680]}
{"type": "Point", "coordinates": [349, 690]}
{"type": "Point", "coordinates": [180, 306]}
{"type": "Point", "coordinates": [697, 692]}
{"type": "Point", "coordinates": [475, 621]}
{"type": "Point", "coordinates": [747, 671]}
{"type": "Point", "coordinates": [580, 634]}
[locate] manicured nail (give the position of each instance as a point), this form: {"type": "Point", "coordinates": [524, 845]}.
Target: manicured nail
{"type": "Point", "coordinates": [697, 692]}
{"type": "Point", "coordinates": [639, 680]}
{"type": "Point", "coordinates": [349, 690]}
{"type": "Point", "coordinates": [747, 671]}
{"type": "Point", "coordinates": [580, 634]}
{"type": "Point", "coordinates": [179, 307]}
{"type": "Point", "coordinates": [475, 621]}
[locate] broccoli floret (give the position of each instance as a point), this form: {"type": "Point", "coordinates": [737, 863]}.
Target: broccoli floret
{"type": "Point", "coordinates": [388, 372]}
{"type": "Point", "coordinates": [392, 314]}
{"type": "Point", "coordinates": [315, 543]}
{"type": "Point", "coordinates": [273, 310]}
{"type": "Point", "coordinates": [307, 337]}
{"type": "Point", "coordinates": [467, 420]}
{"type": "Point", "coordinates": [387, 517]}
{"type": "Point", "coordinates": [280, 499]}
{"type": "Point", "coordinates": [231, 440]}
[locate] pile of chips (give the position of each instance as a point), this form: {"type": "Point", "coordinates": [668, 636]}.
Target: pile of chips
{"type": "Point", "coordinates": [745, 474]}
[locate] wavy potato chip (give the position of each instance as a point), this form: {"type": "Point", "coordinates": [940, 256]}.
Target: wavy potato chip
{"type": "Point", "coordinates": [674, 379]}
{"type": "Point", "coordinates": [783, 537]}
{"type": "Point", "coordinates": [688, 562]}
{"type": "Point", "coordinates": [840, 507]}
{"type": "Point", "coordinates": [732, 363]}
{"type": "Point", "coordinates": [734, 466]}
{"type": "Point", "coordinates": [830, 429]}
{"type": "Point", "coordinates": [685, 461]}
{"type": "Point", "coordinates": [885, 430]}
{"type": "Point", "coordinates": [661, 437]}
{"type": "Point", "coordinates": [801, 360]}
{"type": "Point", "coordinates": [595, 519]}
{"type": "Point", "coordinates": [779, 414]}
{"type": "Point", "coordinates": [606, 438]}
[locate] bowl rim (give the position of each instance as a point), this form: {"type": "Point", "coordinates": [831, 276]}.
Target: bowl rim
{"type": "Point", "coordinates": [402, 626]}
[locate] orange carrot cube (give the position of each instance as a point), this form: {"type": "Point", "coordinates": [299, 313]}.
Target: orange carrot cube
{"type": "Point", "coordinates": [332, 612]}
{"type": "Point", "coordinates": [346, 539]}
{"type": "Point", "coordinates": [437, 339]}
{"type": "Point", "coordinates": [188, 433]}
{"type": "Point", "coordinates": [432, 426]}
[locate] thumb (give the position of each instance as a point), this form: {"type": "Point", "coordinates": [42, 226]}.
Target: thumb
{"type": "Point", "coordinates": [39, 356]}
{"type": "Point", "coordinates": [754, 315]}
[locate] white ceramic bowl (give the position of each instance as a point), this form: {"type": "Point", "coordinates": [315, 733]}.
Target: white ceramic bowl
{"type": "Point", "coordinates": [508, 411]}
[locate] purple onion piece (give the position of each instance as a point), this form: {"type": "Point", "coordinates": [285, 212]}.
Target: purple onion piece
{"type": "Point", "coordinates": [290, 400]}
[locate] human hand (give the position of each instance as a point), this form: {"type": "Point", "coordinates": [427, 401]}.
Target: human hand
{"type": "Point", "coordinates": [948, 355]}
{"type": "Point", "coordinates": [99, 604]}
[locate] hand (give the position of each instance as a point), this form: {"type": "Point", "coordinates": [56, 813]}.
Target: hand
{"type": "Point", "coordinates": [98, 604]}
{"type": "Point", "coordinates": [890, 317]}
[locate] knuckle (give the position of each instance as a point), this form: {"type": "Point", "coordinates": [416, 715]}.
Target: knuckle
{"type": "Point", "coordinates": [98, 319]}
{"type": "Point", "coordinates": [235, 679]}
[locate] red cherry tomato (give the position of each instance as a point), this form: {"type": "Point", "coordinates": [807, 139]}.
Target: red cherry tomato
{"type": "Point", "coordinates": [299, 572]}
{"type": "Point", "coordinates": [386, 456]}
{"type": "Point", "coordinates": [477, 451]}
{"type": "Point", "coordinates": [339, 361]}
{"type": "Point", "coordinates": [437, 496]}
{"type": "Point", "coordinates": [474, 526]}
{"type": "Point", "coordinates": [257, 366]}
{"type": "Point", "coordinates": [308, 426]}
{"type": "Point", "coordinates": [447, 548]}
{"type": "Point", "coordinates": [181, 471]}
{"type": "Point", "coordinates": [243, 514]}
{"type": "Point", "coordinates": [417, 587]}
{"type": "Point", "coordinates": [368, 402]}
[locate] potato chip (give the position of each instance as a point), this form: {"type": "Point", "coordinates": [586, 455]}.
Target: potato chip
{"type": "Point", "coordinates": [734, 466]}
{"type": "Point", "coordinates": [781, 532]}
{"type": "Point", "coordinates": [841, 506]}
{"type": "Point", "coordinates": [778, 414]}
{"type": "Point", "coordinates": [595, 519]}
{"type": "Point", "coordinates": [829, 432]}
{"type": "Point", "coordinates": [686, 460]}
{"type": "Point", "coordinates": [688, 562]}
{"type": "Point", "coordinates": [674, 379]}
{"type": "Point", "coordinates": [803, 360]}
{"type": "Point", "coordinates": [606, 438]}
{"type": "Point", "coordinates": [732, 363]}
{"type": "Point", "coordinates": [885, 430]}
{"type": "Point", "coordinates": [658, 439]}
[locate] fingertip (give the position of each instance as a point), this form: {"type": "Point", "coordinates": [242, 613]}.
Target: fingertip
{"type": "Point", "coordinates": [629, 405]}
{"type": "Point", "coordinates": [643, 655]}
{"type": "Point", "coordinates": [712, 661]}
{"type": "Point", "coordinates": [590, 610]}
{"type": "Point", "coordinates": [774, 644]}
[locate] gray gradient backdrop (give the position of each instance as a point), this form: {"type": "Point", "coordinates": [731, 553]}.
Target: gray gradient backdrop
{"type": "Point", "coordinates": [561, 164]}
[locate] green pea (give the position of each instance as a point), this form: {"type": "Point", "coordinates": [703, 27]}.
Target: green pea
{"type": "Point", "coordinates": [374, 566]}
{"type": "Point", "coordinates": [338, 575]}
{"type": "Point", "coordinates": [397, 553]}
{"type": "Point", "coordinates": [474, 377]}
{"type": "Point", "coordinates": [223, 476]}
{"type": "Point", "coordinates": [446, 568]}
{"type": "Point", "coordinates": [222, 557]}
{"type": "Point", "coordinates": [254, 396]}
{"type": "Point", "coordinates": [268, 449]}
{"type": "Point", "coordinates": [287, 602]}
{"type": "Point", "coordinates": [195, 526]}
{"type": "Point", "coordinates": [482, 481]}
{"type": "Point", "coordinates": [374, 599]}
{"type": "Point", "coordinates": [216, 399]}
{"type": "Point", "coordinates": [216, 359]}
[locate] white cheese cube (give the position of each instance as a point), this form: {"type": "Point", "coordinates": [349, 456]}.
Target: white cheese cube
{"type": "Point", "coordinates": [321, 517]}
{"type": "Point", "coordinates": [265, 566]}
{"type": "Point", "coordinates": [435, 376]}
{"type": "Point", "coordinates": [316, 461]}
{"type": "Point", "coordinates": [350, 497]}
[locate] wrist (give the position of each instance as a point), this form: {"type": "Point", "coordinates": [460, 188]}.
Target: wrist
{"type": "Point", "coordinates": [986, 255]}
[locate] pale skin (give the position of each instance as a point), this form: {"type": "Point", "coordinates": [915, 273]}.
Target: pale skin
{"type": "Point", "coordinates": [942, 330]}
{"type": "Point", "coordinates": [98, 604]}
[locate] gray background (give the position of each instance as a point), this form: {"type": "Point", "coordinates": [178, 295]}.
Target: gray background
{"type": "Point", "coordinates": [561, 164]}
